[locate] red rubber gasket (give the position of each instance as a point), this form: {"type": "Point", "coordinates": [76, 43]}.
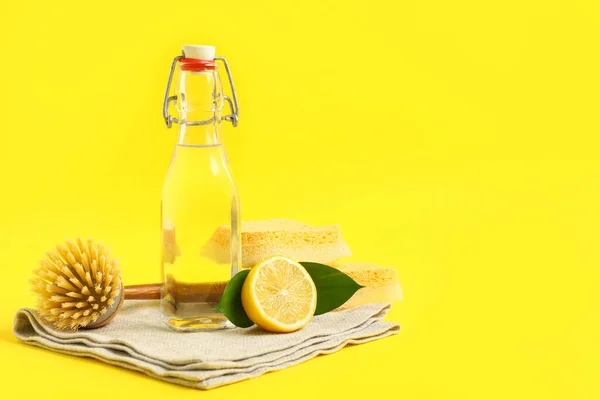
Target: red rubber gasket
{"type": "Point", "coordinates": [192, 64]}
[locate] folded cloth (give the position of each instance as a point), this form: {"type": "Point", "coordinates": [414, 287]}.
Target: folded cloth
{"type": "Point", "coordinates": [137, 339]}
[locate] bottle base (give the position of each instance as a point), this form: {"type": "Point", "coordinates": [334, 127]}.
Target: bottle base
{"type": "Point", "coordinates": [199, 324]}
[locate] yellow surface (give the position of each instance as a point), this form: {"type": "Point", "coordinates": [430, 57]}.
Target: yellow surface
{"type": "Point", "coordinates": [455, 140]}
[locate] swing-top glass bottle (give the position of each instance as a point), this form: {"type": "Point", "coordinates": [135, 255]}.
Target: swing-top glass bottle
{"type": "Point", "coordinates": [199, 200]}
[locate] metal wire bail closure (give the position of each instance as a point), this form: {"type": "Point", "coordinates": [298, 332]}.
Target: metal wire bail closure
{"type": "Point", "coordinates": [233, 104]}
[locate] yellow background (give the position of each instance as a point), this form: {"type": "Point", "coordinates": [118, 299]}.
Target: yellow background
{"type": "Point", "coordinates": [454, 140]}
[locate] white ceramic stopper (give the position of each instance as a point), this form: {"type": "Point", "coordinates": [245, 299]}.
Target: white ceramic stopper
{"type": "Point", "coordinates": [199, 52]}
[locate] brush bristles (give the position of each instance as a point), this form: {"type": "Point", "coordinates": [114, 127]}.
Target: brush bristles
{"type": "Point", "coordinates": [76, 284]}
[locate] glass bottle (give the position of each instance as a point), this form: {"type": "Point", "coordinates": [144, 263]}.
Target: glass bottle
{"type": "Point", "coordinates": [200, 201]}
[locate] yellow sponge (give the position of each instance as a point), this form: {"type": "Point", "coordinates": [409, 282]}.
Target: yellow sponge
{"type": "Point", "coordinates": [381, 283]}
{"type": "Point", "coordinates": [280, 237]}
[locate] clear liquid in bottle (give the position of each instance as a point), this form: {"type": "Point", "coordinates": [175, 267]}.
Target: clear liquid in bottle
{"type": "Point", "coordinates": [198, 198]}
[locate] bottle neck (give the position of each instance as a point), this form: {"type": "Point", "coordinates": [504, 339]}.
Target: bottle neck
{"type": "Point", "coordinates": [200, 101]}
{"type": "Point", "coordinates": [209, 134]}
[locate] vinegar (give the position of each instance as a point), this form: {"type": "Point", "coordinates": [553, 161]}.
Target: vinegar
{"type": "Point", "coordinates": [198, 197]}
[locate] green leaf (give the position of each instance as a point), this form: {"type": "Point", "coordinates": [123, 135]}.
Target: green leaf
{"type": "Point", "coordinates": [231, 302]}
{"type": "Point", "coordinates": [334, 287]}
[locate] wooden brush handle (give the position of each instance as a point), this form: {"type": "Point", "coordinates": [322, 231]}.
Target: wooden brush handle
{"type": "Point", "coordinates": [150, 291]}
{"type": "Point", "coordinates": [184, 292]}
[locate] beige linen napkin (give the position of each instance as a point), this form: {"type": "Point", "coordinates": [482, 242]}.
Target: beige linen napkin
{"type": "Point", "coordinates": [137, 339]}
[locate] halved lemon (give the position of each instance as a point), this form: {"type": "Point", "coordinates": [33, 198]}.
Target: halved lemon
{"type": "Point", "coordinates": [279, 295]}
